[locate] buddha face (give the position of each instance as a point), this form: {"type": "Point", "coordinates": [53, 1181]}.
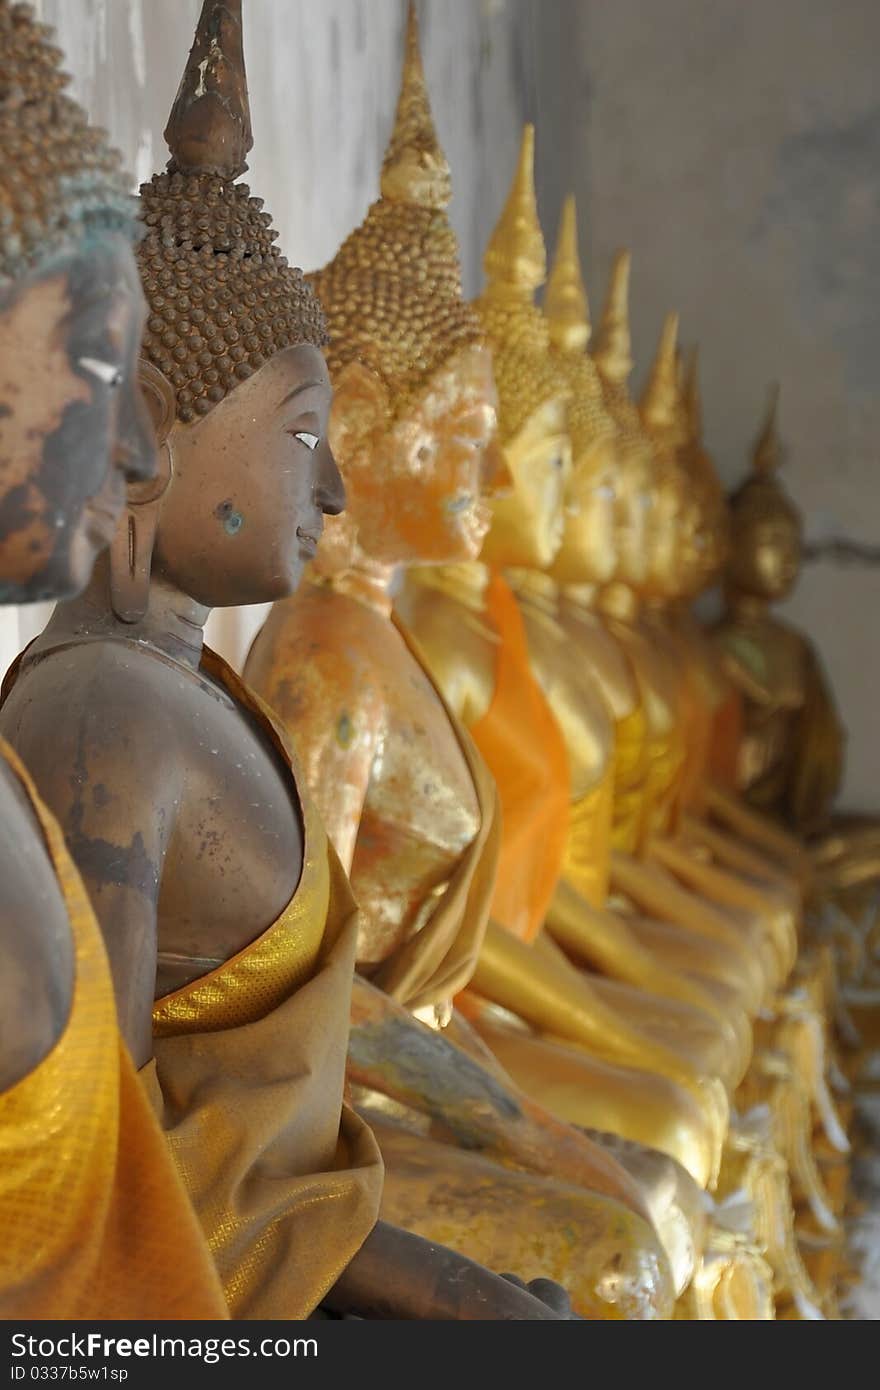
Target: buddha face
{"type": "Point", "coordinates": [250, 485]}
{"type": "Point", "coordinates": [73, 425]}
{"type": "Point", "coordinates": [414, 489]}
{"type": "Point", "coordinates": [588, 554]}
{"type": "Point", "coordinates": [689, 575]}
{"type": "Point", "coordinates": [528, 521]}
{"type": "Point", "coordinates": [710, 536]}
{"type": "Point", "coordinates": [765, 552]}
{"type": "Point", "coordinates": [671, 523]}
{"type": "Point", "coordinates": [634, 501]}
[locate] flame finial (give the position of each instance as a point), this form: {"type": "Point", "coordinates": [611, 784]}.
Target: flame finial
{"type": "Point", "coordinates": [209, 129]}
{"type": "Point", "coordinates": [415, 169]}
{"type": "Point", "coordinates": [660, 403]}
{"type": "Point", "coordinates": [565, 301]}
{"type": "Point", "coordinates": [612, 352]}
{"type": "Point", "coordinates": [516, 259]}
{"type": "Point", "coordinates": [767, 453]}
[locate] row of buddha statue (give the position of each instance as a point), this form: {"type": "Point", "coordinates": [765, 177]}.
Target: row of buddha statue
{"type": "Point", "coordinates": [477, 951]}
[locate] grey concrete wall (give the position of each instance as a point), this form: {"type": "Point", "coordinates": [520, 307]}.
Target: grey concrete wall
{"type": "Point", "coordinates": [733, 144]}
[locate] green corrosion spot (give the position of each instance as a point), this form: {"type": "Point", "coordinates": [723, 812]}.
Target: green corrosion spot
{"type": "Point", "coordinates": [231, 520]}
{"type": "Point", "coordinates": [344, 730]}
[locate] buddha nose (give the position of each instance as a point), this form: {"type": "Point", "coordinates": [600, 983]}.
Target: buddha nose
{"type": "Point", "coordinates": [330, 491]}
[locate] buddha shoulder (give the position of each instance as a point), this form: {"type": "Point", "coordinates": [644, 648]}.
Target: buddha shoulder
{"type": "Point", "coordinates": [459, 648]}
{"type": "Point", "coordinates": [583, 716]}
{"type": "Point", "coordinates": [96, 720]}
{"type": "Point", "coordinates": [605, 659]}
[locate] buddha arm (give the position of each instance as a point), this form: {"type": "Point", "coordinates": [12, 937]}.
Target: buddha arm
{"type": "Point", "coordinates": [399, 1275]}
{"type": "Point", "coordinates": [737, 853]}
{"type": "Point", "coordinates": [658, 895]}
{"type": "Point", "coordinates": [36, 942]}
{"type": "Point", "coordinates": [736, 814]}
{"type": "Point", "coordinates": [603, 939]}
{"type": "Point", "coordinates": [33, 1005]}
{"type": "Point", "coordinates": [775, 917]}
{"type": "Point", "coordinates": [554, 998]}
{"type": "Point", "coordinates": [336, 726]}
{"type": "Point", "coordinates": [817, 764]}
{"type": "Point", "coordinates": [114, 797]}
{"type": "Point", "coordinates": [482, 1110]}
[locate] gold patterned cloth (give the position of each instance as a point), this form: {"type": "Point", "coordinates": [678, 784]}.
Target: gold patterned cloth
{"type": "Point", "coordinates": [248, 1079]}
{"type": "Point", "coordinates": [95, 1222]}
{"type": "Point", "coordinates": [662, 791]}
{"type": "Point", "coordinates": [586, 865]}
{"type": "Point", "coordinates": [630, 759]}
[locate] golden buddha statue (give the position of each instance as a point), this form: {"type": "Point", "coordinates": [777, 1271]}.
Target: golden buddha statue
{"type": "Point", "coordinates": [180, 799]}
{"type": "Point", "coordinates": [405, 796]}
{"type": "Point", "coordinates": [680, 889]}
{"type": "Point", "coordinates": [791, 755]}
{"type": "Point", "coordinates": [641, 696]}
{"type": "Point", "coordinates": [795, 1032]}
{"type": "Point", "coordinates": [96, 1224]}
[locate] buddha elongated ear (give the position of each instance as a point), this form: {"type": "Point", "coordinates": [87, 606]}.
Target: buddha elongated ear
{"type": "Point", "coordinates": [360, 411]}
{"type": "Point", "coordinates": [159, 395]}
{"type": "Point", "coordinates": [131, 551]}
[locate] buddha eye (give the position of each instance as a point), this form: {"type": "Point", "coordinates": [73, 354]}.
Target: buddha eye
{"type": "Point", "coordinates": [106, 372]}
{"type": "Point", "coordinates": [311, 441]}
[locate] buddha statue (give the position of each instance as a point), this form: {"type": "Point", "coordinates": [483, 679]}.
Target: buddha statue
{"type": "Point", "coordinates": [406, 798]}
{"type": "Point", "coordinates": [791, 755]}
{"type": "Point", "coordinates": [680, 890]}
{"type": "Point", "coordinates": [732, 869]}
{"type": "Point", "coordinates": [229, 924]}
{"type": "Point", "coordinates": [96, 1224]}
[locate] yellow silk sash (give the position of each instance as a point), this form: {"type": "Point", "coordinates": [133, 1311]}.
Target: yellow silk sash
{"type": "Point", "coordinates": [630, 770]}
{"type": "Point", "coordinates": [587, 859]}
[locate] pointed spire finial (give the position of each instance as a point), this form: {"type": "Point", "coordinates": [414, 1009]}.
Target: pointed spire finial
{"type": "Point", "coordinates": [659, 406]}
{"type": "Point", "coordinates": [415, 169]}
{"type": "Point", "coordinates": [612, 352]}
{"type": "Point", "coordinates": [767, 453]}
{"type": "Point", "coordinates": [209, 129]}
{"type": "Point", "coordinates": [516, 258]}
{"type": "Point", "coordinates": [565, 300]}
{"type": "Point", "coordinates": [692, 396]}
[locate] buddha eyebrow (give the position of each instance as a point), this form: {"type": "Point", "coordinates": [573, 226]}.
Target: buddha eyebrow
{"type": "Point", "coordinates": [297, 390]}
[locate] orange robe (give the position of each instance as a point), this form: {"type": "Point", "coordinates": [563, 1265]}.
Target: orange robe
{"type": "Point", "coordinates": [531, 775]}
